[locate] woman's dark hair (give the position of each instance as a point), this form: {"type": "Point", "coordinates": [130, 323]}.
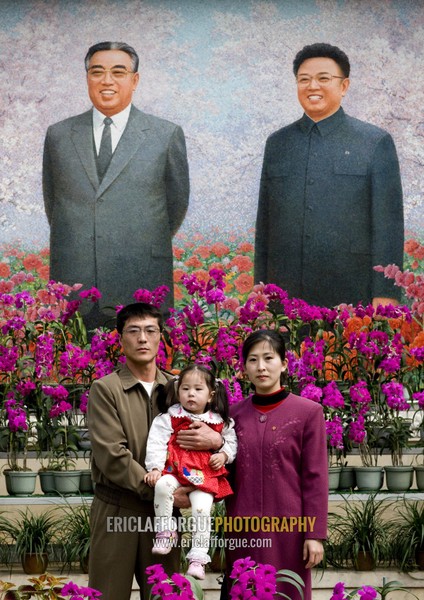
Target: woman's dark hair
{"type": "Point", "coordinates": [219, 400]}
{"type": "Point", "coordinates": [270, 336]}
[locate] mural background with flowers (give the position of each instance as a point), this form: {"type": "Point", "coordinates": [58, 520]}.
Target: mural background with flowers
{"type": "Point", "coordinates": [223, 70]}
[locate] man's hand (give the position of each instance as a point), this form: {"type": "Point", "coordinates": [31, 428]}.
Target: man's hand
{"type": "Point", "coordinates": [218, 460]}
{"type": "Point", "coordinates": [152, 477]}
{"type": "Point", "coordinates": [181, 499]}
{"type": "Point", "coordinates": [313, 552]}
{"type": "Point", "coordinates": [199, 436]}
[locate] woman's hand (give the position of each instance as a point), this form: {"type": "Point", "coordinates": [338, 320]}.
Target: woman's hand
{"type": "Point", "coordinates": [313, 552]}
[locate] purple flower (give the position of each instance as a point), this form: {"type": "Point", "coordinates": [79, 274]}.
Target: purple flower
{"type": "Point", "coordinates": [334, 430]}
{"type": "Point", "coordinates": [59, 409]}
{"type": "Point", "coordinates": [338, 592]}
{"type": "Point", "coordinates": [155, 574]}
{"type": "Point", "coordinates": [143, 295]}
{"type": "Point", "coordinates": [8, 358]}
{"type": "Point", "coordinates": [357, 430]}
{"type": "Point", "coordinates": [367, 593]}
{"type": "Point", "coordinates": [240, 566]}
{"type": "Point", "coordinates": [332, 396]}
{"type": "Point", "coordinates": [312, 392]}
{"type": "Point", "coordinates": [418, 353]}
{"type": "Point", "coordinates": [71, 308]}
{"type": "Point", "coordinates": [93, 294]}
{"type": "Point", "coordinates": [361, 398]}
{"type": "Point", "coordinates": [57, 392]}
{"type": "Point", "coordinates": [25, 387]}
{"type": "Point", "coordinates": [419, 397]}
{"type": "Point", "coordinates": [44, 355]}
{"type": "Point", "coordinates": [162, 589]}
{"type": "Point", "coordinates": [395, 396]}
{"type": "Point", "coordinates": [181, 581]}
{"type": "Point", "coordinates": [390, 364]}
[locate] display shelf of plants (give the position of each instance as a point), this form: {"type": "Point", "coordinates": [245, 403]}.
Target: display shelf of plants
{"type": "Point", "coordinates": [363, 365]}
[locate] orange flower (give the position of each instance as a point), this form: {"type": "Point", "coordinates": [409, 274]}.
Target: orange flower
{"type": "Point", "coordinates": [201, 274]}
{"type": "Point", "coordinates": [410, 246]}
{"type": "Point", "coordinates": [6, 286]}
{"type": "Point", "coordinates": [44, 272]}
{"type": "Point", "coordinates": [220, 249]}
{"type": "Point", "coordinates": [32, 262]}
{"type": "Point", "coordinates": [356, 324]}
{"type": "Point", "coordinates": [409, 331]}
{"type": "Point", "coordinates": [243, 283]}
{"type": "Point", "coordinates": [178, 253]}
{"type": "Point", "coordinates": [193, 261]}
{"type": "Point", "coordinates": [45, 252]}
{"type": "Point", "coordinates": [243, 263]}
{"type": "Point", "coordinates": [245, 247]}
{"type": "Point", "coordinates": [4, 270]}
{"type": "Point", "coordinates": [204, 251]}
{"type": "Point", "coordinates": [178, 294]}
{"type": "Point", "coordinates": [178, 273]}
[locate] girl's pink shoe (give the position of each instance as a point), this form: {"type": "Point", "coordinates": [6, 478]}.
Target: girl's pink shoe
{"type": "Point", "coordinates": [164, 542]}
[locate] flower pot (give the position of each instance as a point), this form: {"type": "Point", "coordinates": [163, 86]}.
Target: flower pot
{"type": "Point", "coordinates": [419, 558]}
{"type": "Point", "coordinates": [34, 564]}
{"type": "Point", "coordinates": [399, 479]}
{"type": "Point", "coordinates": [333, 478]}
{"type": "Point", "coordinates": [47, 483]}
{"type": "Point", "coordinates": [369, 478]}
{"type": "Point", "coordinates": [84, 442]}
{"type": "Point", "coordinates": [419, 475]}
{"type": "Point", "coordinates": [84, 563]}
{"type": "Point", "coordinates": [67, 483]}
{"type": "Point", "coordinates": [364, 561]}
{"type": "Point", "coordinates": [86, 483]}
{"type": "Point", "coordinates": [347, 479]}
{"type": "Point", "coordinates": [20, 483]}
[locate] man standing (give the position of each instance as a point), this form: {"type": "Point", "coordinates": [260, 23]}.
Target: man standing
{"type": "Point", "coordinates": [330, 205]}
{"type": "Point", "coordinates": [120, 411]}
{"type": "Point", "coordinates": [116, 187]}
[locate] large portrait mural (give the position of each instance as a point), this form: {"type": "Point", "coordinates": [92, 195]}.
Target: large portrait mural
{"type": "Point", "coordinates": [223, 71]}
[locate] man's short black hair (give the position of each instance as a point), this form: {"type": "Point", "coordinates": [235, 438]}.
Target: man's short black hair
{"type": "Point", "coordinates": [322, 50]}
{"type": "Point", "coordinates": [113, 46]}
{"type": "Point", "coordinates": [140, 310]}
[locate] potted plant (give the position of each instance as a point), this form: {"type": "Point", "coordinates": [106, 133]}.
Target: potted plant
{"type": "Point", "coordinates": [359, 534]}
{"type": "Point", "coordinates": [20, 480]}
{"type": "Point", "coordinates": [32, 535]}
{"type": "Point", "coordinates": [74, 528]}
{"type": "Point", "coordinates": [408, 540]}
{"type": "Point", "coordinates": [65, 448]}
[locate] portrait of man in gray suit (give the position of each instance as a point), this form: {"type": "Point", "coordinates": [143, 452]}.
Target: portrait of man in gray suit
{"type": "Point", "coordinates": [330, 205]}
{"type": "Point", "coordinates": [116, 188]}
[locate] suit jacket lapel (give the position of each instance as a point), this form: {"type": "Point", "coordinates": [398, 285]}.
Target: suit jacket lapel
{"type": "Point", "coordinates": [82, 138]}
{"type": "Point", "coordinates": [134, 135]}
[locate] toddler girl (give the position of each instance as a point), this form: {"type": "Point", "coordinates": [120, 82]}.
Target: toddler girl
{"type": "Point", "coordinates": [195, 395]}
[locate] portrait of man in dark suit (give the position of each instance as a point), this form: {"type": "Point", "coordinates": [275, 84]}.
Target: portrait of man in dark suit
{"type": "Point", "coordinates": [116, 188]}
{"type": "Point", "coordinates": [330, 206]}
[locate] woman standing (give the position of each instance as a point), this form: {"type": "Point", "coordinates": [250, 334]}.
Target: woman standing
{"type": "Point", "coordinates": [281, 473]}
